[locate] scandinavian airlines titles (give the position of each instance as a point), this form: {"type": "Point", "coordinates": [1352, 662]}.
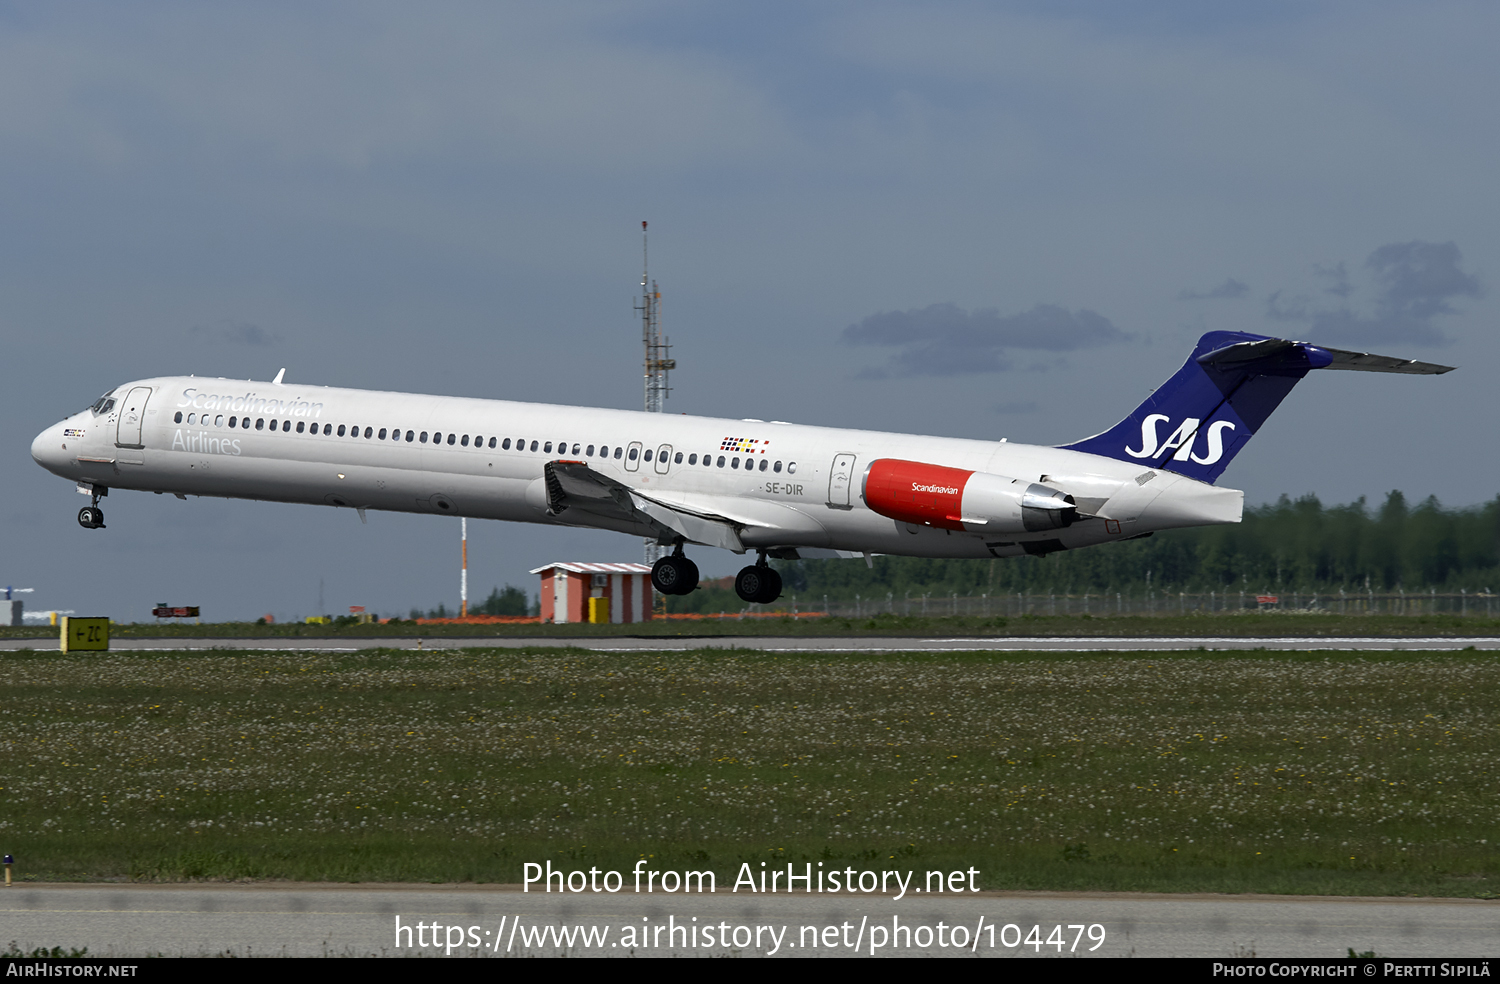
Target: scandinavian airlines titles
{"type": "Point", "coordinates": [248, 403]}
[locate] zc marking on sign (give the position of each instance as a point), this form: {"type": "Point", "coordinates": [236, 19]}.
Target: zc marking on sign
{"type": "Point", "coordinates": [84, 634]}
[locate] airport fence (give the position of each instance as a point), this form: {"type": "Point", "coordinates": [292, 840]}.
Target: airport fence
{"type": "Point", "coordinates": [1151, 602]}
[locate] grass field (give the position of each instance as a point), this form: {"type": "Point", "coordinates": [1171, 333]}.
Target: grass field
{"type": "Point", "coordinates": [1365, 774]}
{"type": "Point", "coordinates": [1236, 624]}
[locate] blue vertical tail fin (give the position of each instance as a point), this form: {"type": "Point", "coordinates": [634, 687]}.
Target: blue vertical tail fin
{"type": "Point", "coordinates": [1197, 421]}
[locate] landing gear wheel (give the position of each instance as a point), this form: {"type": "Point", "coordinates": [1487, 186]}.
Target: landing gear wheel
{"type": "Point", "coordinates": [773, 587]}
{"type": "Point", "coordinates": [675, 575]}
{"type": "Point", "coordinates": [91, 518]}
{"type": "Point", "coordinates": [758, 585]}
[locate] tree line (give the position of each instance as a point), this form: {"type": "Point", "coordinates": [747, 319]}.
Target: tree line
{"type": "Point", "coordinates": [1289, 545]}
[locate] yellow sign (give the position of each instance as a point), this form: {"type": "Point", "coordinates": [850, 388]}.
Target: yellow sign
{"type": "Point", "coordinates": [599, 611]}
{"type": "Point", "coordinates": [84, 633]}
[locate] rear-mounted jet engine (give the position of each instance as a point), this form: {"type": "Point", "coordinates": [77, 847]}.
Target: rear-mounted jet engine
{"type": "Point", "coordinates": [954, 499]}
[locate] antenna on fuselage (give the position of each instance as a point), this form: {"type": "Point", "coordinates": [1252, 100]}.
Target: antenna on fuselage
{"type": "Point", "coordinates": [279, 376]}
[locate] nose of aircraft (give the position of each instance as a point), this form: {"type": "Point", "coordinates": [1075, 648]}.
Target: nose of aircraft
{"type": "Point", "coordinates": [47, 450]}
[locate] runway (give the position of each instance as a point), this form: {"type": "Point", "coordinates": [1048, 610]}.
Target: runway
{"type": "Point", "coordinates": [853, 644]}
{"type": "Point", "coordinates": [367, 920]}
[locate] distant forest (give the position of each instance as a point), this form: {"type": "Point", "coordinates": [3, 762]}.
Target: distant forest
{"type": "Point", "coordinates": [1291, 545]}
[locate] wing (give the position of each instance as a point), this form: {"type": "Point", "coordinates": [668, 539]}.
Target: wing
{"type": "Point", "coordinates": [590, 498]}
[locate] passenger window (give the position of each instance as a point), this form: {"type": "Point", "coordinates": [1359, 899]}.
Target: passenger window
{"type": "Point", "coordinates": [634, 452]}
{"type": "Point", "coordinates": [504, 445]}
{"type": "Point", "coordinates": [776, 468]}
{"type": "Point", "coordinates": [219, 420]}
{"type": "Point", "coordinates": [492, 442]}
{"type": "Point", "coordinates": [533, 445]}
{"type": "Point", "coordinates": [232, 420]}
{"type": "Point", "coordinates": [437, 437]}
{"type": "Point", "coordinates": [677, 459]}
{"type": "Point", "coordinates": [260, 423]}
{"type": "Point", "coordinates": [341, 430]}
{"type": "Point", "coordinates": [575, 449]}
{"type": "Point", "coordinates": [617, 453]}
{"type": "Point", "coordinates": [464, 442]}
{"type": "Point", "coordinates": [590, 452]}
{"type": "Point", "coordinates": [422, 437]}
{"type": "Point", "coordinates": [764, 464]}
{"type": "Point", "coordinates": [381, 435]}
{"type": "Point", "coordinates": [410, 436]}
{"type": "Point", "coordinates": [369, 432]}
{"type": "Point", "coordinates": [451, 439]}
{"type": "Point", "coordinates": [791, 468]}
{"type": "Point", "coordinates": [190, 417]}
{"type": "Point", "coordinates": [692, 459]}
{"type": "Point", "coordinates": [547, 448]}
{"type": "Point", "coordinates": [721, 461]}
{"type": "Point", "coordinates": [648, 454]}
{"type": "Point", "coordinates": [177, 419]}
{"type": "Point", "coordinates": [604, 451]}
{"type": "Point", "coordinates": [286, 425]}
{"type": "Point", "coordinates": [734, 462]}
{"type": "Point", "coordinates": [301, 427]}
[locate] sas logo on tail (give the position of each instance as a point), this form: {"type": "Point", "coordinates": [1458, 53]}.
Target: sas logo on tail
{"type": "Point", "coordinates": [1182, 439]}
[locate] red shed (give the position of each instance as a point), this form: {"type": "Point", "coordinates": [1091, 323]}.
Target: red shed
{"type": "Point", "coordinates": [567, 588]}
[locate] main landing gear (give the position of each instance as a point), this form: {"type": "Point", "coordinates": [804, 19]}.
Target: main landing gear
{"type": "Point", "coordinates": [92, 517]}
{"type": "Point", "coordinates": [675, 574]}
{"type": "Point", "coordinates": [759, 583]}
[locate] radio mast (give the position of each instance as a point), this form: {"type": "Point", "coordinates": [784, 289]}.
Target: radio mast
{"type": "Point", "coordinates": [657, 362]}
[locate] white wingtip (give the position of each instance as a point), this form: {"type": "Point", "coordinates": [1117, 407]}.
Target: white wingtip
{"type": "Point", "coordinates": [279, 376]}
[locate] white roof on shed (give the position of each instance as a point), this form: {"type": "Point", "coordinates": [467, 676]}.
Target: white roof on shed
{"type": "Point", "coordinates": [576, 567]}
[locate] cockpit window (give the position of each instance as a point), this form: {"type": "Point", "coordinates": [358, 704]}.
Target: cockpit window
{"type": "Point", "coordinates": [104, 404]}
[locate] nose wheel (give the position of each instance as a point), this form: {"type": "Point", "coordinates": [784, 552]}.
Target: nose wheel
{"type": "Point", "coordinates": [675, 574]}
{"type": "Point", "coordinates": [91, 518]}
{"type": "Point", "coordinates": [758, 584]}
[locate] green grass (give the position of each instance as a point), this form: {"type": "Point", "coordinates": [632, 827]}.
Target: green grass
{"type": "Point", "coordinates": [1285, 773]}
{"type": "Point", "coordinates": [1246, 624]}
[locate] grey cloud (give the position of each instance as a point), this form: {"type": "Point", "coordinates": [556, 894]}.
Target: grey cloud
{"type": "Point", "coordinates": [1287, 309]}
{"type": "Point", "coordinates": [238, 333]}
{"type": "Point", "coordinates": [1228, 290]}
{"type": "Point", "coordinates": [1418, 279]}
{"type": "Point", "coordinates": [946, 340]}
{"type": "Point", "coordinates": [1416, 282]}
{"type": "Point", "coordinates": [1339, 275]}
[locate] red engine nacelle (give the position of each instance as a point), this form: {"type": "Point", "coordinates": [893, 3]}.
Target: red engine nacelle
{"type": "Point", "coordinates": [957, 499]}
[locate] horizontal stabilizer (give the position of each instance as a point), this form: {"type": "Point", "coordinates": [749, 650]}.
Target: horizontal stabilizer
{"type": "Point", "coordinates": [1365, 362]}
{"type": "Point", "coordinates": [1283, 353]}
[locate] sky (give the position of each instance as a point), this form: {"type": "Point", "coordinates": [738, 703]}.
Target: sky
{"type": "Point", "coordinates": [980, 220]}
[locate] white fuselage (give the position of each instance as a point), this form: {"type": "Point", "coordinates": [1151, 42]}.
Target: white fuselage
{"type": "Point", "coordinates": [784, 485]}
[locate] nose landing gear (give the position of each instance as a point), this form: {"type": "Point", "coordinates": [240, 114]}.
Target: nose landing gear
{"type": "Point", "coordinates": [675, 574]}
{"type": "Point", "coordinates": [92, 517]}
{"type": "Point", "coordinates": [758, 584]}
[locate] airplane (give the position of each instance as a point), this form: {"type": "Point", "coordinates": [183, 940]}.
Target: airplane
{"type": "Point", "coordinates": [779, 489]}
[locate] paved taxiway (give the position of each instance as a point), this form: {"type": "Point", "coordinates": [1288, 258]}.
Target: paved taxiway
{"type": "Point", "coordinates": [361, 920]}
{"type": "Point", "coordinates": [805, 644]}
